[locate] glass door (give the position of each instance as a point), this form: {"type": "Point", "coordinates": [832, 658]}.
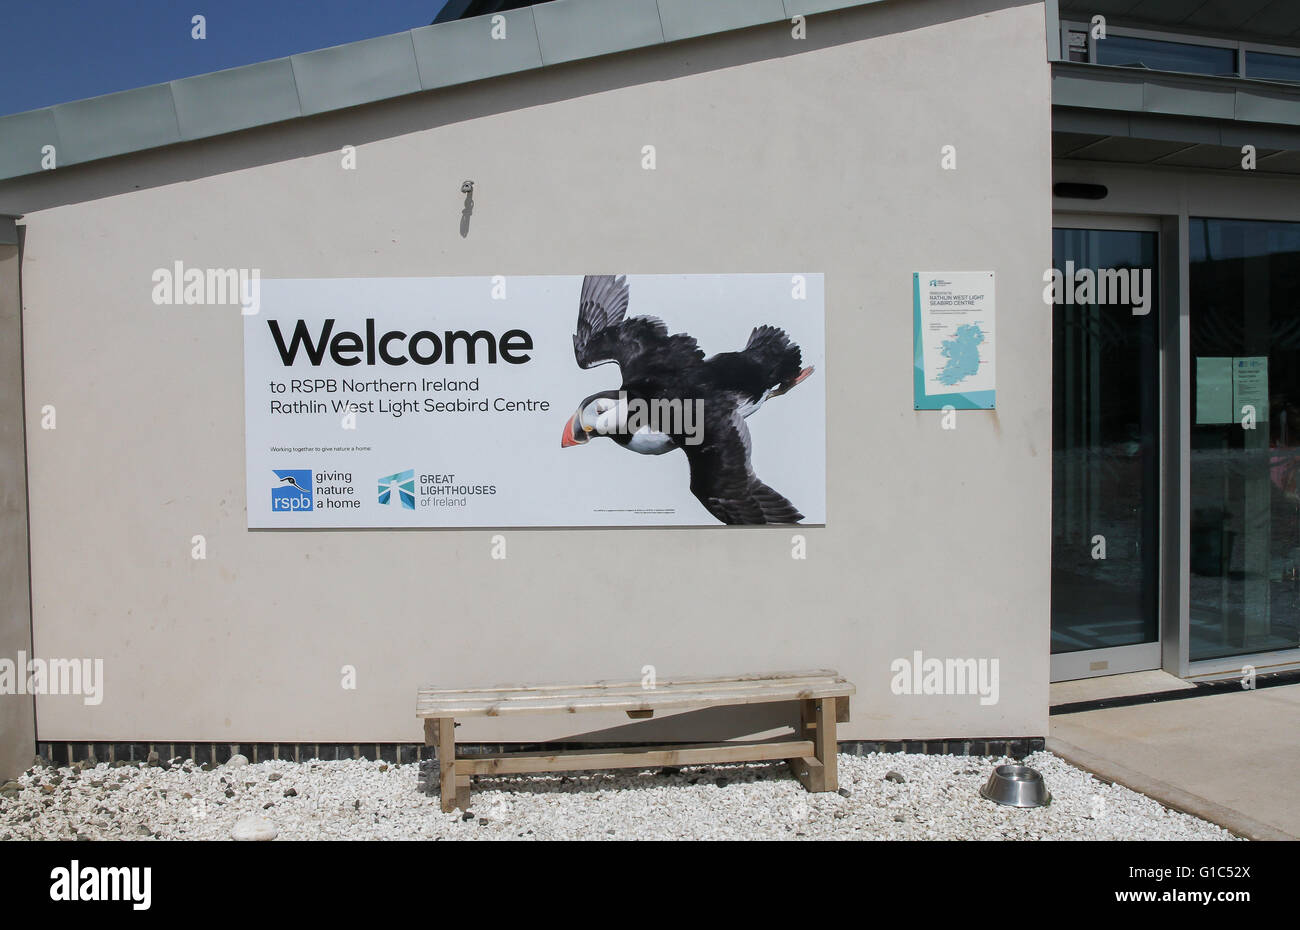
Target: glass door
{"type": "Point", "coordinates": [1106, 383]}
{"type": "Point", "coordinates": [1244, 595]}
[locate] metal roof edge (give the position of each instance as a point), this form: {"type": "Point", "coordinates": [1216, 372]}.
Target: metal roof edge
{"type": "Point", "coordinates": [1132, 90]}
{"type": "Point", "coordinates": [367, 71]}
{"type": "Point", "coordinates": [1185, 129]}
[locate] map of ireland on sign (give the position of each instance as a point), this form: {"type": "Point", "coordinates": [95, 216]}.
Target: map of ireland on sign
{"type": "Point", "coordinates": [955, 337]}
{"type": "Point", "coordinates": [963, 354]}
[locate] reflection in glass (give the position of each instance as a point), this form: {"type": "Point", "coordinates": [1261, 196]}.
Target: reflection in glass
{"type": "Point", "coordinates": [1269, 67]}
{"type": "Point", "coordinates": [1105, 455]}
{"type": "Point", "coordinates": [1133, 52]}
{"type": "Point", "coordinates": [1245, 345]}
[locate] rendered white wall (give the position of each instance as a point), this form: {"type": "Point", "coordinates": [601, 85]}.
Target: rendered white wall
{"type": "Point", "coordinates": [773, 154]}
{"type": "Point", "coordinates": [17, 711]}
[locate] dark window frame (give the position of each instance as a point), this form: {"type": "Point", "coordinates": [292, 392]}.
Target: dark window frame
{"type": "Point", "coordinates": [1242, 49]}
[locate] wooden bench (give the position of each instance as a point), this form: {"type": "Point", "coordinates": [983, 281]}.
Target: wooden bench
{"type": "Point", "coordinates": [823, 698]}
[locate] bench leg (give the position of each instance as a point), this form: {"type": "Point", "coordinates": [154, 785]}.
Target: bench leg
{"type": "Point", "coordinates": [817, 723]}
{"type": "Point", "coordinates": [453, 787]}
{"type": "Point", "coordinates": [431, 734]}
{"type": "Point", "coordinates": [430, 739]}
{"type": "Point", "coordinates": [827, 744]}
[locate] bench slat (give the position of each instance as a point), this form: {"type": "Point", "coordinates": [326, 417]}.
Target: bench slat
{"type": "Point", "coordinates": [642, 700]}
{"type": "Point", "coordinates": [721, 681]}
{"type": "Point", "coordinates": [633, 698]}
{"type": "Point", "coordinates": [629, 690]}
{"type": "Point", "coordinates": [636, 757]}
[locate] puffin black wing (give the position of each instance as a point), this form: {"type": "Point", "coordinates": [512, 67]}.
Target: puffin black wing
{"type": "Point", "coordinates": [640, 345]}
{"type": "Point", "coordinates": [724, 481]}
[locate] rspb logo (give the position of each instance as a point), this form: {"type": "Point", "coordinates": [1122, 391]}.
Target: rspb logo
{"type": "Point", "coordinates": [403, 483]}
{"type": "Point", "coordinates": [292, 492]}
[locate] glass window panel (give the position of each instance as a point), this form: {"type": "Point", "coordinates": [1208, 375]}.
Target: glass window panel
{"type": "Point", "coordinates": [1105, 453]}
{"type": "Point", "coordinates": [1132, 52]}
{"type": "Point", "coordinates": [1268, 67]}
{"type": "Point", "coordinates": [1244, 591]}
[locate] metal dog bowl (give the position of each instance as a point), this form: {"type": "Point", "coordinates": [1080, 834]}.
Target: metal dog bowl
{"type": "Point", "coordinates": [1016, 786]}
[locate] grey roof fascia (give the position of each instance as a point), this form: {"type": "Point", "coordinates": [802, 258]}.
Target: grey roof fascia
{"type": "Point", "coordinates": [356, 73]}
{"type": "Point", "coordinates": [370, 70]}
{"type": "Point", "coordinates": [795, 8]}
{"type": "Point", "coordinates": [1187, 130]}
{"type": "Point", "coordinates": [480, 47]}
{"type": "Point", "coordinates": [1130, 90]}
{"type": "Point", "coordinates": [24, 138]}
{"type": "Point", "coordinates": [114, 124]}
{"type": "Point", "coordinates": [686, 19]}
{"type": "Point", "coordinates": [235, 99]}
{"type": "Point", "coordinates": [568, 30]}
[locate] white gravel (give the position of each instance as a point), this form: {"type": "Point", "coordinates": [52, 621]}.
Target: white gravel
{"type": "Point", "coordinates": [361, 799]}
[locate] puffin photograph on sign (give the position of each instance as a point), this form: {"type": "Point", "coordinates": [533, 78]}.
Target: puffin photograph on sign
{"type": "Point", "coordinates": [549, 400]}
{"type": "Point", "coordinates": [672, 397]}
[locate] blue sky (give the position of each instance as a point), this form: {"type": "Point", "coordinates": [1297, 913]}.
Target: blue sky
{"type": "Point", "coordinates": [60, 50]}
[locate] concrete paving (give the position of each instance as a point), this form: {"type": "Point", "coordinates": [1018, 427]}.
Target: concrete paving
{"type": "Point", "coordinates": [1112, 686]}
{"type": "Point", "coordinates": [1233, 759]}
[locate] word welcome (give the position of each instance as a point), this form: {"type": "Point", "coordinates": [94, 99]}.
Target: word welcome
{"type": "Point", "coordinates": [345, 346]}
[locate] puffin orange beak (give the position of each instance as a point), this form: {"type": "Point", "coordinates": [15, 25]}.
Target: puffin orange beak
{"type": "Point", "coordinates": [571, 435]}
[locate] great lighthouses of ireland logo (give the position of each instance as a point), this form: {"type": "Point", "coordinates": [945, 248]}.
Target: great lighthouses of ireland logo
{"type": "Point", "coordinates": [403, 482]}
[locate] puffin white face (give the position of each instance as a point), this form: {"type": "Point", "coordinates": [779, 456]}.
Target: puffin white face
{"type": "Point", "coordinates": [597, 415]}
{"type": "Point", "coordinates": [600, 415]}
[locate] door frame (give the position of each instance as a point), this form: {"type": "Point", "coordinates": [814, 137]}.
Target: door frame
{"type": "Point", "coordinates": [1116, 660]}
{"type": "Point", "coordinates": [1172, 196]}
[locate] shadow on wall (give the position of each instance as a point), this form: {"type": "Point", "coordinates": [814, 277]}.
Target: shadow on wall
{"type": "Point", "coordinates": [328, 132]}
{"type": "Point", "coordinates": [709, 724]}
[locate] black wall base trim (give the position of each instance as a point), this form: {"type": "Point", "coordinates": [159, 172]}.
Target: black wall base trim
{"type": "Point", "coordinates": [66, 753]}
{"type": "Point", "coordinates": [1014, 747]}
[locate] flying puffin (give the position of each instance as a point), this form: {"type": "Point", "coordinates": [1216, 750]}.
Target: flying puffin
{"type": "Point", "coordinates": [659, 367]}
